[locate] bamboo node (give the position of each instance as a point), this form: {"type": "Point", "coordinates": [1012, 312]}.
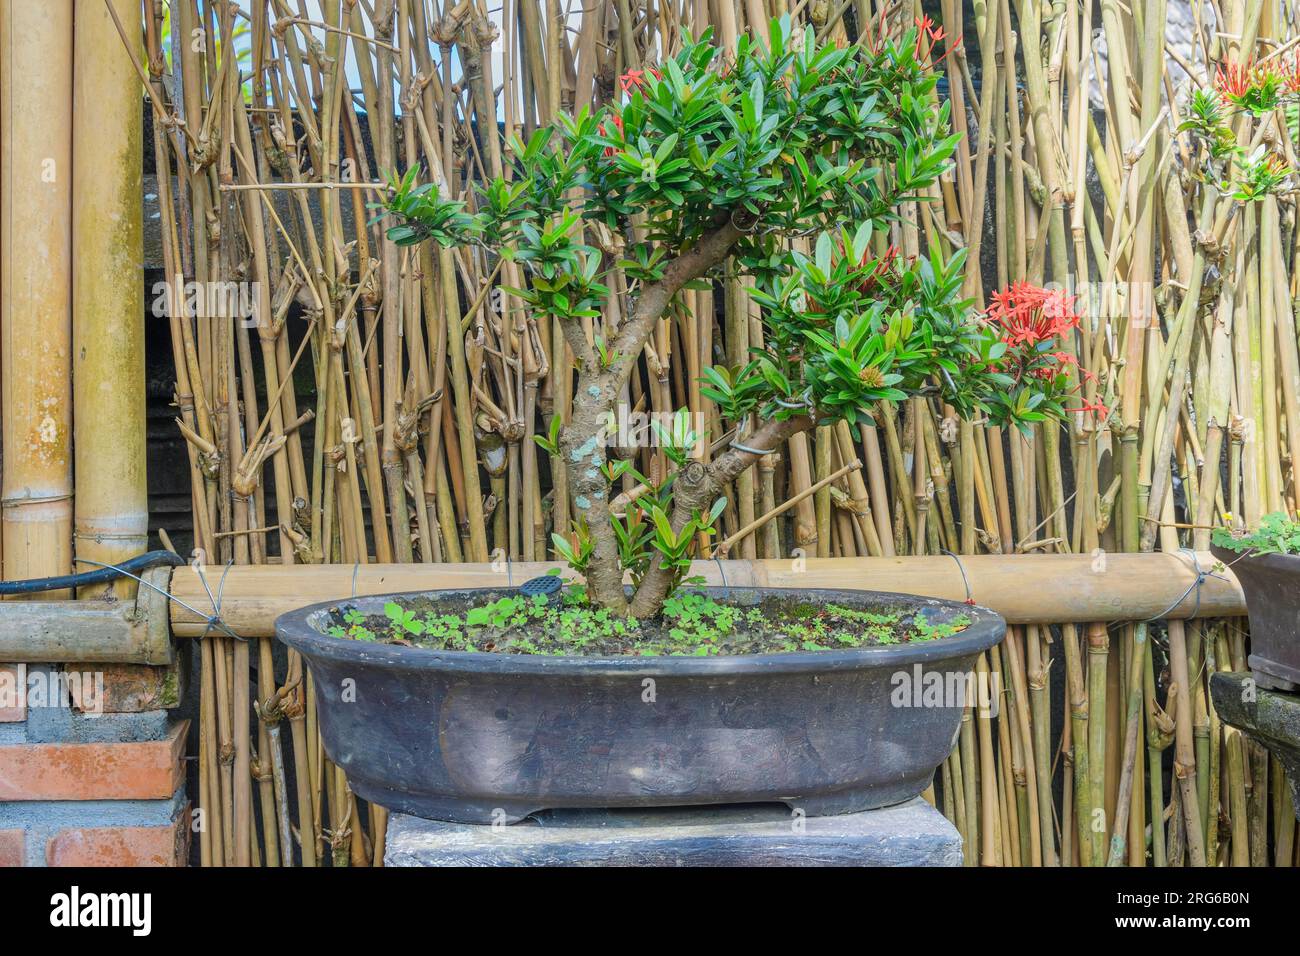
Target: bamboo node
{"type": "Point", "coordinates": [1237, 429]}
{"type": "Point", "coordinates": [948, 430]}
{"type": "Point", "coordinates": [485, 31]}
{"type": "Point", "coordinates": [1208, 242]}
{"type": "Point", "coordinates": [269, 711]}
{"type": "Point", "coordinates": [445, 29]}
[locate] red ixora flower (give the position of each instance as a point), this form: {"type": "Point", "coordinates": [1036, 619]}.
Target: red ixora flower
{"type": "Point", "coordinates": [1030, 315]}
{"type": "Point", "coordinates": [879, 267]}
{"type": "Point", "coordinates": [873, 34]}
{"type": "Point", "coordinates": [1290, 75]}
{"type": "Point", "coordinates": [1235, 80]}
{"type": "Point", "coordinates": [618, 122]}
{"type": "Point", "coordinates": [635, 79]}
{"type": "Point", "coordinates": [928, 35]}
{"type": "Point", "coordinates": [1096, 408]}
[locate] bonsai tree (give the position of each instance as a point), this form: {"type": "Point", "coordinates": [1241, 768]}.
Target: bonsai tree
{"type": "Point", "coordinates": [790, 159]}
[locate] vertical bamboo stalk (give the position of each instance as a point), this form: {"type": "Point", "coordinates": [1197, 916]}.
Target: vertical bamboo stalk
{"type": "Point", "coordinates": [112, 509]}
{"type": "Point", "coordinates": [35, 308]}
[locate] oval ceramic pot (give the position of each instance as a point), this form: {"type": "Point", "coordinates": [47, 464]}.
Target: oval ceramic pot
{"type": "Point", "coordinates": [1271, 584]}
{"type": "Point", "coordinates": [489, 738]}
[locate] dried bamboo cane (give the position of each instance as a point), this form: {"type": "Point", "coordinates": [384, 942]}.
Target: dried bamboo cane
{"type": "Point", "coordinates": [36, 278]}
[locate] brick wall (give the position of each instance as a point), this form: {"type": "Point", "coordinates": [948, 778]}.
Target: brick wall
{"type": "Point", "coordinates": [90, 789]}
{"type": "Point", "coordinates": [118, 806]}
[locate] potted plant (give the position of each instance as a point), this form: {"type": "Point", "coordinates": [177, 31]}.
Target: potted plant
{"type": "Point", "coordinates": [1266, 561]}
{"type": "Point", "coordinates": [787, 162]}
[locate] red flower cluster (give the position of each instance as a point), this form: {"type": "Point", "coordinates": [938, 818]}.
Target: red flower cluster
{"type": "Point", "coordinates": [635, 79]}
{"type": "Point", "coordinates": [1235, 80]}
{"type": "Point", "coordinates": [1096, 408]}
{"type": "Point", "coordinates": [1276, 165]}
{"type": "Point", "coordinates": [618, 122]}
{"type": "Point", "coordinates": [1030, 319]}
{"type": "Point", "coordinates": [872, 35]}
{"type": "Point", "coordinates": [1030, 315]}
{"type": "Point", "coordinates": [929, 35]}
{"type": "Point", "coordinates": [1291, 74]}
{"type": "Point", "coordinates": [879, 267]}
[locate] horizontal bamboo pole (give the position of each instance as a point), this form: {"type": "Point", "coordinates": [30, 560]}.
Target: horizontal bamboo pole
{"type": "Point", "coordinates": [272, 187]}
{"type": "Point", "coordinates": [90, 632]}
{"type": "Point", "coordinates": [1025, 589]}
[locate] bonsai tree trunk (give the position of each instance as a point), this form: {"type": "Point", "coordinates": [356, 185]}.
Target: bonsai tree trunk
{"type": "Point", "coordinates": [696, 487]}
{"type": "Point", "coordinates": [582, 443]}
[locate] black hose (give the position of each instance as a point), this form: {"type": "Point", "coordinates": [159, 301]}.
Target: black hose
{"type": "Point", "coordinates": [99, 576]}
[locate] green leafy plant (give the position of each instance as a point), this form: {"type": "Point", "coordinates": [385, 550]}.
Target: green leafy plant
{"type": "Point", "coordinates": [1207, 120]}
{"type": "Point", "coordinates": [1255, 88]}
{"type": "Point", "coordinates": [691, 624]}
{"type": "Point", "coordinates": [1277, 534]}
{"type": "Point", "coordinates": [788, 161]}
{"type": "Point", "coordinates": [1260, 174]}
{"type": "Point", "coordinates": [402, 619]}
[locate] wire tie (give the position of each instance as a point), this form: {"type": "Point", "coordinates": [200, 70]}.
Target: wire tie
{"type": "Point", "coordinates": [752, 451]}
{"type": "Point", "coordinates": [722, 573]}
{"type": "Point", "coordinates": [970, 599]}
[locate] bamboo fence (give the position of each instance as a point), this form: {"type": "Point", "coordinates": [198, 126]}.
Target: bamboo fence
{"type": "Point", "coordinates": [383, 406]}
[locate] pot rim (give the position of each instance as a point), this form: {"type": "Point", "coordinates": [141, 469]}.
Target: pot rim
{"type": "Point", "coordinates": [986, 629]}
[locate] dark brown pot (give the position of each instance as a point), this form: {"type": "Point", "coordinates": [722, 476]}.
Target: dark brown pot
{"type": "Point", "coordinates": [1271, 583]}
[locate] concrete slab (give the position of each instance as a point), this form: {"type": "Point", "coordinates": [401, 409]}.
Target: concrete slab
{"type": "Point", "coordinates": [1270, 716]}
{"type": "Point", "coordinates": [910, 834]}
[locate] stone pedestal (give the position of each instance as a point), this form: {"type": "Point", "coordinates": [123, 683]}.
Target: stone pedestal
{"type": "Point", "coordinates": [1269, 716]}
{"type": "Point", "coordinates": [910, 834]}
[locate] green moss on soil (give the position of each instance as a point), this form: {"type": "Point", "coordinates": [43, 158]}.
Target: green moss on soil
{"type": "Point", "coordinates": [692, 624]}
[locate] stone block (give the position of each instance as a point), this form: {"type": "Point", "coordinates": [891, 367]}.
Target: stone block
{"type": "Point", "coordinates": [910, 834]}
{"type": "Point", "coordinates": [1271, 717]}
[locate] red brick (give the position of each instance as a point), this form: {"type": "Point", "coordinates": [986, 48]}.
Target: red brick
{"type": "Point", "coordinates": [117, 771]}
{"type": "Point", "coordinates": [12, 848]}
{"type": "Point", "coordinates": [121, 846]}
{"type": "Point", "coordinates": [131, 688]}
{"type": "Point", "coordinates": [10, 683]}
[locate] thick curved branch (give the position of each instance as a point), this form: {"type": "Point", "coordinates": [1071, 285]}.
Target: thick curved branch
{"type": "Point", "coordinates": [697, 486]}
{"type": "Point", "coordinates": [576, 337]}
{"type": "Point", "coordinates": [712, 248]}
{"type": "Point", "coordinates": [583, 440]}
{"type": "Point", "coordinates": [733, 462]}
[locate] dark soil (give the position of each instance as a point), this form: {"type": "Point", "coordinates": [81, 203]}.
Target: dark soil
{"type": "Point", "coordinates": [691, 624]}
